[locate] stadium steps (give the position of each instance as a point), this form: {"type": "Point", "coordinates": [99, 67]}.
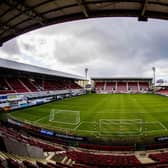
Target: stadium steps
{"type": "Point", "coordinates": [50, 155]}
{"type": "Point", "coordinates": [2, 155]}
{"type": "Point", "coordinates": [3, 160]}
{"type": "Point", "coordinates": [73, 162]}
{"type": "Point", "coordinates": [22, 158]}
{"type": "Point", "coordinates": [65, 159]}
{"type": "Point", "coordinates": [143, 158]}
{"type": "Point", "coordinates": [33, 85]}
{"type": "Point", "coordinates": [11, 88]}
{"type": "Point", "coordinates": [51, 161]}
{"type": "Point", "coordinates": [69, 162]}
{"type": "Point", "coordinates": [22, 83]}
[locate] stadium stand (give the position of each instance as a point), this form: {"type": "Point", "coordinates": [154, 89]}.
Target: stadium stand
{"type": "Point", "coordinates": [110, 86]}
{"type": "Point", "coordinates": [122, 85]}
{"type": "Point", "coordinates": [38, 84]}
{"type": "Point", "coordinates": [103, 159]}
{"type": "Point", "coordinates": [160, 157]}
{"type": "Point", "coordinates": [17, 85]}
{"type": "Point", "coordinates": [133, 87]}
{"type": "Point", "coordinates": [106, 147]}
{"type": "Point", "coordinates": [22, 85]}
{"type": "Point", "coordinates": [22, 88]}
{"type": "Point", "coordinates": [4, 87]}
{"type": "Point", "coordinates": [99, 86]}
{"type": "Point", "coordinates": [29, 85]}
{"type": "Point", "coordinates": [144, 86]}
{"type": "Point", "coordinates": [163, 91]}
{"type": "Point", "coordinates": [73, 85]}
{"type": "Point", "coordinates": [67, 157]}
{"type": "Point", "coordinates": [23, 78]}
{"type": "Point", "coordinates": [9, 133]}
{"type": "Point", "coordinates": [13, 161]}
{"type": "Point", "coordinates": [50, 85]}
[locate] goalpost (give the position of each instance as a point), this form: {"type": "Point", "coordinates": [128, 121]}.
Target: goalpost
{"type": "Point", "coordinates": [109, 127]}
{"type": "Point", "coordinates": [52, 115]}
{"type": "Point", "coordinates": [64, 116]}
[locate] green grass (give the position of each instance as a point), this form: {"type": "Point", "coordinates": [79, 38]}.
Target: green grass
{"type": "Point", "coordinates": [103, 116]}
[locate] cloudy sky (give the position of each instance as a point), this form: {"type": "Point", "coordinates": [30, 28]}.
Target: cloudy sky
{"type": "Point", "coordinates": [108, 47]}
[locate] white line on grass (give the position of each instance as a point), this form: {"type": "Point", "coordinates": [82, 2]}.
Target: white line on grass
{"type": "Point", "coordinates": [83, 123]}
{"type": "Point", "coordinates": [137, 120]}
{"type": "Point", "coordinates": [120, 122]}
{"type": "Point", "coordinates": [165, 128]}
{"type": "Point", "coordinates": [88, 131]}
{"type": "Point", "coordinates": [42, 118]}
{"type": "Point", "coordinates": [61, 110]}
{"type": "Point", "coordinates": [103, 112]}
{"type": "Point", "coordinates": [78, 126]}
{"type": "Point", "coordinates": [119, 134]}
{"type": "Point", "coordinates": [156, 122]}
{"type": "Point", "coordinates": [61, 122]}
{"type": "Point", "coordinates": [140, 129]}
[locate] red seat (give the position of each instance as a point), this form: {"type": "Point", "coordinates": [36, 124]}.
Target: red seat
{"type": "Point", "coordinates": [29, 84]}
{"type": "Point", "coordinates": [160, 157]}
{"type": "Point", "coordinates": [121, 87]}
{"type": "Point", "coordinates": [133, 87]}
{"type": "Point", "coordinates": [17, 85]}
{"type": "Point", "coordinates": [103, 159]}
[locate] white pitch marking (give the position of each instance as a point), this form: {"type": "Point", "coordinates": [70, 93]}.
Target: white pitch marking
{"type": "Point", "coordinates": [156, 122]}
{"type": "Point", "coordinates": [40, 119]}
{"type": "Point", "coordinates": [162, 125]}
{"type": "Point", "coordinates": [85, 122]}
{"type": "Point", "coordinates": [78, 126]}
{"type": "Point", "coordinates": [121, 121]}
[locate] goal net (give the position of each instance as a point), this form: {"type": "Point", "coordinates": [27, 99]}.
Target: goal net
{"type": "Point", "coordinates": [109, 127]}
{"type": "Point", "coordinates": [64, 116]}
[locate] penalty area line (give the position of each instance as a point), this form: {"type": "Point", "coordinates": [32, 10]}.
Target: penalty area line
{"type": "Point", "coordinates": [36, 121]}
{"type": "Point", "coordinates": [78, 126]}
{"type": "Point", "coordinates": [83, 123]}
{"type": "Point", "coordinates": [163, 126]}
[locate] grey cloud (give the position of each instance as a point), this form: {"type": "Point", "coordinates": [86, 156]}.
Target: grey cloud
{"type": "Point", "coordinates": [77, 50]}
{"type": "Point", "coordinates": [108, 47]}
{"type": "Point", "coordinates": [129, 46]}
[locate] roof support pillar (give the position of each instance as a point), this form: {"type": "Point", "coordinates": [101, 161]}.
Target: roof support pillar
{"type": "Point", "coordinates": [83, 7]}
{"type": "Point", "coordinates": [142, 16]}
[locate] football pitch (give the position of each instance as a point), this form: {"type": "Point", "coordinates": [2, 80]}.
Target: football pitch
{"type": "Point", "coordinates": [102, 115]}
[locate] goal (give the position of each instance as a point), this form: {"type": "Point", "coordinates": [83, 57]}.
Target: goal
{"type": "Point", "coordinates": [110, 127]}
{"type": "Point", "coordinates": [64, 116]}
